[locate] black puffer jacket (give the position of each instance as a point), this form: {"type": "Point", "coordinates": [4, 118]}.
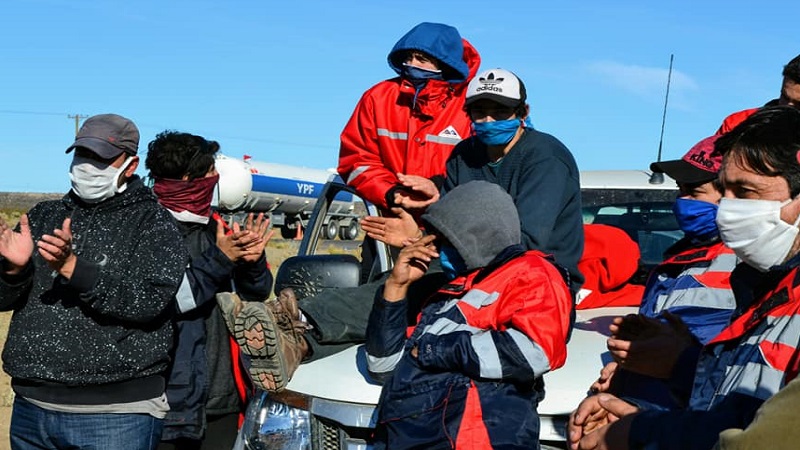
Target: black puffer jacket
{"type": "Point", "coordinates": [105, 335]}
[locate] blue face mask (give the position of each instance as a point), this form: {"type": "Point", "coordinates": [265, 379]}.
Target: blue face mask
{"type": "Point", "coordinates": [698, 219]}
{"type": "Point", "coordinates": [499, 132]}
{"type": "Point", "coordinates": [452, 263]}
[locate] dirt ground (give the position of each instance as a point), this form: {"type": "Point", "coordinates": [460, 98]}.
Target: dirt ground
{"type": "Point", "coordinates": [6, 395]}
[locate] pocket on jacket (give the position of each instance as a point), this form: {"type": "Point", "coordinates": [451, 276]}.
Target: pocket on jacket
{"type": "Point", "coordinates": [430, 416]}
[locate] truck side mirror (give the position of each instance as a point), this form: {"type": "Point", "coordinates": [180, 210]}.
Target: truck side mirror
{"type": "Point", "coordinates": [309, 274]}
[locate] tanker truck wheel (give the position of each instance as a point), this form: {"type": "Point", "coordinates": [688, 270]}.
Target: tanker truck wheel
{"type": "Point", "coordinates": [331, 229]}
{"type": "Point", "coordinates": [349, 232]}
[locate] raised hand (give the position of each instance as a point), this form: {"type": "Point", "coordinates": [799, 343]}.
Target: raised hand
{"type": "Point", "coordinates": [394, 231]}
{"type": "Point", "coordinates": [411, 265]}
{"type": "Point", "coordinates": [56, 249]}
{"type": "Point", "coordinates": [420, 192]}
{"type": "Point", "coordinates": [16, 247]}
{"type": "Point", "coordinates": [261, 233]}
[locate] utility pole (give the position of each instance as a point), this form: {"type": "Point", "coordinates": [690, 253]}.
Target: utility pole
{"type": "Point", "coordinates": [77, 118]}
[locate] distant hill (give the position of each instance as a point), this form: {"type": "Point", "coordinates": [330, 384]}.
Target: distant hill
{"type": "Point", "coordinates": [23, 201]}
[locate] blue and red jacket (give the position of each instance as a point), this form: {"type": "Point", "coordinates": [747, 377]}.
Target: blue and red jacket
{"type": "Point", "coordinates": [694, 284]}
{"type": "Point", "coordinates": [483, 343]}
{"type": "Point", "coordinates": [748, 362]}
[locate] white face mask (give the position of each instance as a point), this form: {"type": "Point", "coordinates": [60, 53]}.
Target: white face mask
{"type": "Point", "coordinates": [753, 229]}
{"type": "Point", "coordinates": [94, 181]}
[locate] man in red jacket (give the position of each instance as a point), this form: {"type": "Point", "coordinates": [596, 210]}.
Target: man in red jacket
{"type": "Point", "coordinates": [393, 152]}
{"type": "Point", "coordinates": [395, 145]}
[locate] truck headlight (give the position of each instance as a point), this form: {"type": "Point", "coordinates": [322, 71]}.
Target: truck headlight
{"type": "Point", "coordinates": [272, 425]}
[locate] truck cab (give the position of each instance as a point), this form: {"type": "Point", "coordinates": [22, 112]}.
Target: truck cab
{"type": "Point", "coordinates": [330, 403]}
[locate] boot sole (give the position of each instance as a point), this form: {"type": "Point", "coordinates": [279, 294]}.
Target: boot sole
{"type": "Point", "coordinates": [255, 330]}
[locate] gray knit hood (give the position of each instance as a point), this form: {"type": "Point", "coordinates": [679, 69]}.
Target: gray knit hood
{"type": "Point", "coordinates": [480, 220]}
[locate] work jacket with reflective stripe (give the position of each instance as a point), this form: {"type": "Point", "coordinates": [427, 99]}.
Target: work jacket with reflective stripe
{"type": "Point", "coordinates": [390, 133]}
{"type": "Point", "coordinates": [748, 362]}
{"type": "Point", "coordinates": [483, 343]}
{"type": "Point", "coordinates": [695, 285]}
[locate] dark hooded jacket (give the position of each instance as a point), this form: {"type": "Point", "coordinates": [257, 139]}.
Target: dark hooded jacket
{"type": "Point", "coordinates": [395, 129]}
{"type": "Point", "coordinates": [540, 174]}
{"type": "Point", "coordinates": [201, 380]}
{"type": "Point", "coordinates": [483, 341]}
{"type": "Point", "coordinates": [105, 335]}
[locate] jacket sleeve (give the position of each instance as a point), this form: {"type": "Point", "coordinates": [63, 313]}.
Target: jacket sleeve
{"type": "Point", "coordinates": [145, 290]}
{"type": "Point", "coordinates": [386, 335]}
{"type": "Point", "coordinates": [14, 288]}
{"type": "Point", "coordinates": [540, 201]}
{"type": "Point", "coordinates": [253, 281]}
{"type": "Point", "coordinates": [691, 430]}
{"type": "Point", "coordinates": [533, 342]}
{"type": "Point", "coordinates": [204, 277]}
{"type": "Point", "coordinates": [360, 160]}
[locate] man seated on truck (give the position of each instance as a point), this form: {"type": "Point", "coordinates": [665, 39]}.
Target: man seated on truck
{"type": "Point", "coordinates": [470, 370]}
{"type": "Point", "coordinates": [535, 168]}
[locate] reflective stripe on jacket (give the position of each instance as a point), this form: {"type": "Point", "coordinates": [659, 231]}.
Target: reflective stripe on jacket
{"type": "Point", "coordinates": [695, 285]}
{"type": "Point", "coordinates": [387, 134]}
{"type": "Point", "coordinates": [483, 344]}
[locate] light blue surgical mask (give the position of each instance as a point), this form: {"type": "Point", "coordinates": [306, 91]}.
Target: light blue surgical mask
{"type": "Point", "coordinates": [452, 262]}
{"type": "Point", "coordinates": [499, 132]}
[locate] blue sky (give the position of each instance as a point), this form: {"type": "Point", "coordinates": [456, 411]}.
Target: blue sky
{"type": "Point", "coordinates": [278, 80]}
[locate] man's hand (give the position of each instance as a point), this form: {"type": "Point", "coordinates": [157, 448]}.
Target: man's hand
{"type": "Point", "coordinates": [56, 249]}
{"type": "Point", "coordinates": [261, 230]}
{"type": "Point", "coordinates": [648, 346]}
{"type": "Point", "coordinates": [394, 231]}
{"type": "Point", "coordinates": [420, 192]}
{"type": "Point", "coordinates": [411, 265]}
{"type": "Point", "coordinates": [16, 247]}
{"type": "Point", "coordinates": [603, 382]}
{"type": "Point", "coordinates": [600, 422]}
{"type": "Point", "coordinates": [240, 244]}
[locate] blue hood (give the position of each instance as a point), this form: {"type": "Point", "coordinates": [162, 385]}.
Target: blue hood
{"type": "Point", "coordinates": [441, 41]}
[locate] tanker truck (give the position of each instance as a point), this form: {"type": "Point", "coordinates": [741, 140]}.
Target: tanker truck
{"type": "Point", "coordinates": [287, 193]}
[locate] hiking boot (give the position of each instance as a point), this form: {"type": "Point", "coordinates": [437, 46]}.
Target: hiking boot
{"type": "Point", "coordinates": [230, 305]}
{"type": "Point", "coordinates": [272, 334]}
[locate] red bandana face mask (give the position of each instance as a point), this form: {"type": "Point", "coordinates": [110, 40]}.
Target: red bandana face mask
{"type": "Point", "coordinates": [186, 195]}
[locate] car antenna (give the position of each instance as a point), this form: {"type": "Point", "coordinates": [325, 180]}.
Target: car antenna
{"type": "Point", "coordinates": [658, 177]}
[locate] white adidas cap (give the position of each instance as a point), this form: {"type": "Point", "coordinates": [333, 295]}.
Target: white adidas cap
{"type": "Point", "coordinates": [498, 85]}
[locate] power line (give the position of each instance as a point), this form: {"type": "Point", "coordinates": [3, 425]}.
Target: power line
{"type": "Point", "coordinates": [32, 113]}
{"type": "Point", "coordinates": [77, 118]}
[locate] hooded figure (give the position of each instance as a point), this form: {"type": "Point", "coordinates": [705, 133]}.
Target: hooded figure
{"type": "Point", "coordinates": [469, 371]}
{"type": "Point", "coordinates": [410, 124]}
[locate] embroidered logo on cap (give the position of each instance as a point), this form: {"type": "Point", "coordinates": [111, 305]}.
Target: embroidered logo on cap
{"type": "Point", "coordinates": [490, 83]}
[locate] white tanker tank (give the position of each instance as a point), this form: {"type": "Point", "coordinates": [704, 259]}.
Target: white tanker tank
{"type": "Point", "coordinates": [287, 193]}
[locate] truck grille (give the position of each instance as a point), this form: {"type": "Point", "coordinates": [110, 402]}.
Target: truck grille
{"type": "Point", "coordinates": [329, 435]}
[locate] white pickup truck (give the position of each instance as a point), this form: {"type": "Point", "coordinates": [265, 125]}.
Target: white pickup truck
{"type": "Point", "coordinates": [329, 403]}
